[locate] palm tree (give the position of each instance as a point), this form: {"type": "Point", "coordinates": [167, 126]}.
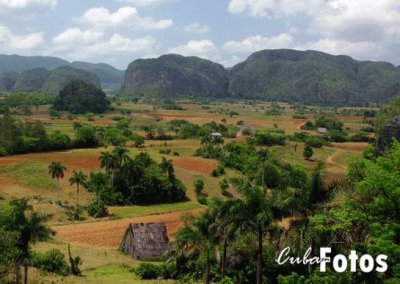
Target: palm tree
{"type": "Point", "coordinates": [198, 236]}
{"type": "Point", "coordinates": [109, 161]}
{"type": "Point", "coordinates": [30, 227]}
{"type": "Point", "coordinates": [121, 154]}
{"type": "Point", "coordinates": [56, 170]}
{"type": "Point", "coordinates": [78, 178]}
{"type": "Point", "coordinates": [253, 214]}
{"type": "Point", "coordinates": [226, 228]}
{"type": "Point", "coordinates": [305, 202]}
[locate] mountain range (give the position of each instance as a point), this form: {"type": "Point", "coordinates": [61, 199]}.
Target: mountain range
{"type": "Point", "coordinates": [42, 73]}
{"type": "Point", "coordinates": [274, 75]}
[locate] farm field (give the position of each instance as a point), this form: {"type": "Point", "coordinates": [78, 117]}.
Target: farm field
{"type": "Point", "coordinates": [97, 241]}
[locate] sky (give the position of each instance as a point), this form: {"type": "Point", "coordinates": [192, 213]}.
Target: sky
{"type": "Point", "coordinates": [225, 31]}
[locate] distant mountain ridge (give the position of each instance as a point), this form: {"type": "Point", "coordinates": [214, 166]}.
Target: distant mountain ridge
{"type": "Point", "coordinates": [175, 75]}
{"type": "Point", "coordinates": [25, 66]}
{"type": "Point", "coordinates": [274, 75]}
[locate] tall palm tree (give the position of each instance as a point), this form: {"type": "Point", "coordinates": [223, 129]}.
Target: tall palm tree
{"type": "Point", "coordinates": [305, 202]}
{"type": "Point", "coordinates": [121, 154]}
{"type": "Point", "coordinates": [198, 236]}
{"type": "Point", "coordinates": [56, 170]}
{"type": "Point", "coordinates": [253, 213]}
{"type": "Point", "coordinates": [226, 227]}
{"type": "Point", "coordinates": [109, 162]}
{"type": "Point", "coordinates": [30, 227]}
{"type": "Point", "coordinates": [78, 178]}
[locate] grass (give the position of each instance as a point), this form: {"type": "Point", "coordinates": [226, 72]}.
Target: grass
{"type": "Point", "coordinates": [29, 173]}
{"type": "Point", "coordinates": [135, 211]}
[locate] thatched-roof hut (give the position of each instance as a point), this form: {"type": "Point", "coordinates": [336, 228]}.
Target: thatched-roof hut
{"type": "Point", "coordinates": [143, 241]}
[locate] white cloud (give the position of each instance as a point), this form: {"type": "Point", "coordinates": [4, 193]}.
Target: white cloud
{"type": "Point", "coordinates": [29, 8]}
{"type": "Point", "coordinates": [196, 28]}
{"type": "Point", "coordinates": [359, 50]}
{"type": "Point", "coordinates": [256, 43]}
{"type": "Point", "coordinates": [276, 8]}
{"type": "Point", "coordinates": [125, 16]}
{"type": "Point", "coordinates": [11, 43]}
{"type": "Point", "coordinates": [23, 4]}
{"type": "Point", "coordinates": [145, 3]}
{"type": "Point", "coordinates": [75, 35]}
{"type": "Point", "coordinates": [359, 21]}
{"type": "Point", "coordinates": [200, 48]}
{"type": "Point", "coordinates": [76, 44]}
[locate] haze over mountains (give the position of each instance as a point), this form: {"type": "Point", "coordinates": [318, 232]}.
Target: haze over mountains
{"type": "Point", "coordinates": [277, 75]}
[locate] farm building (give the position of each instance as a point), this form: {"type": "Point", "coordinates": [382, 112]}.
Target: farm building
{"type": "Point", "coordinates": [143, 241]}
{"type": "Point", "coordinates": [215, 134]}
{"type": "Point", "coordinates": [322, 130]}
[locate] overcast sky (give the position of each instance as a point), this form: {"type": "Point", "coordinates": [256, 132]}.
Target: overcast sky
{"type": "Point", "coordinates": [226, 31]}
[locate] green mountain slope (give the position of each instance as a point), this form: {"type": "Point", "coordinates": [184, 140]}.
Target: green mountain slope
{"type": "Point", "coordinates": [110, 77]}
{"type": "Point", "coordinates": [7, 80]}
{"type": "Point", "coordinates": [19, 63]}
{"type": "Point", "coordinates": [175, 75]}
{"type": "Point", "coordinates": [313, 77]}
{"type": "Point", "coordinates": [31, 80]}
{"type": "Point", "coordinates": [62, 76]}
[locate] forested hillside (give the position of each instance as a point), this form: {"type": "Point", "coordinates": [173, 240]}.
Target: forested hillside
{"type": "Point", "coordinates": [273, 75]}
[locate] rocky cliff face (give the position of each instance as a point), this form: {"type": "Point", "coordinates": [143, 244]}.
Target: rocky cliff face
{"type": "Point", "coordinates": [174, 76]}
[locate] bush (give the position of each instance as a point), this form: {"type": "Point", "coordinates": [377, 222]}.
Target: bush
{"type": "Point", "coordinates": [198, 186]}
{"type": "Point", "coordinates": [308, 152]}
{"type": "Point", "coordinates": [168, 271]}
{"type": "Point", "coordinates": [224, 185]}
{"type": "Point", "coordinates": [146, 271]}
{"type": "Point", "coordinates": [314, 142]}
{"type": "Point", "coordinates": [51, 261]}
{"type": "Point", "coordinates": [202, 199]}
{"type": "Point", "coordinates": [97, 209]}
{"type": "Point", "coordinates": [75, 214]}
{"type": "Point", "coordinates": [269, 138]}
{"type": "Point", "coordinates": [247, 131]}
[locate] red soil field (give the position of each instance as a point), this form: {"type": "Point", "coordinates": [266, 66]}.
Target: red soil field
{"type": "Point", "coordinates": [108, 234]}
{"type": "Point", "coordinates": [195, 164]}
{"type": "Point", "coordinates": [87, 163]}
{"type": "Point", "coordinates": [5, 162]}
{"type": "Point", "coordinates": [298, 123]}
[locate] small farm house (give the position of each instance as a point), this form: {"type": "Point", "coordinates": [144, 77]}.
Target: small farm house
{"type": "Point", "coordinates": [143, 241]}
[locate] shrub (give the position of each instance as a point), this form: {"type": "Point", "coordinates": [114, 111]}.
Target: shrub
{"type": "Point", "coordinates": [168, 271]}
{"type": "Point", "coordinates": [198, 186]}
{"type": "Point", "coordinates": [202, 199]}
{"type": "Point", "coordinates": [314, 142]}
{"type": "Point", "coordinates": [308, 152]}
{"type": "Point", "coordinates": [269, 138]}
{"type": "Point", "coordinates": [214, 173]}
{"type": "Point", "coordinates": [247, 131]}
{"type": "Point", "coordinates": [75, 214]}
{"type": "Point", "coordinates": [97, 209]}
{"type": "Point", "coordinates": [51, 261]}
{"type": "Point", "coordinates": [146, 271]}
{"type": "Point", "coordinates": [224, 185]}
